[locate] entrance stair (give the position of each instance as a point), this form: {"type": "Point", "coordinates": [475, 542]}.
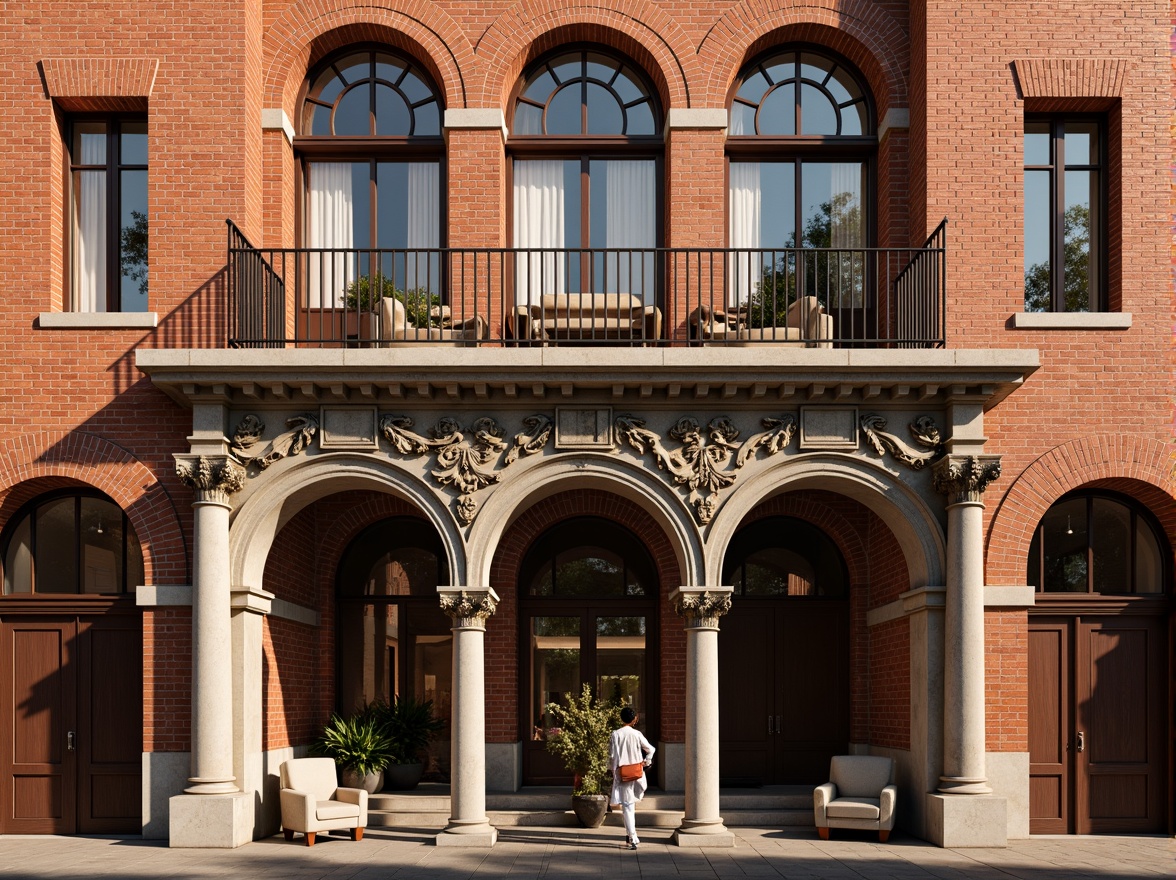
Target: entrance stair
{"type": "Point", "coordinates": [427, 806]}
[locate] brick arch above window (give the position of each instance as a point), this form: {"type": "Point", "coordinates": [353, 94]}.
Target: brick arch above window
{"type": "Point", "coordinates": [424, 32]}
{"type": "Point", "coordinates": [643, 32]}
{"type": "Point", "coordinates": [859, 30]}
{"type": "Point", "coordinates": [40, 462]}
{"type": "Point", "coordinates": [1140, 468]}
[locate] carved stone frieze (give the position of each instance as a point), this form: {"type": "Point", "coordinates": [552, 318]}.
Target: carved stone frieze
{"type": "Point", "coordinates": [214, 478]}
{"type": "Point", "coordinates": [702, 608]}
{"type": "Point", "coordinates": [469, 607]}
{"type": "Point", "coordinates": [700, 463]}
{"type": "Point", "coordinates": [923, 429]}
{"type": "Point", "coordinates": [463, 463]}
{"type": "Point", "coordinates": [963, 478]}
{"type": "Point", "coordinates": [303, 429]}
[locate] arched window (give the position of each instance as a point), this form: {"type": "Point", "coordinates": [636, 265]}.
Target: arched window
{"type": "Point", "coordinates": [370, 148]}
{"type": "Point", "coordinates": [585, 142]}
{"type": "Point", "coordinates": [784, 556]}
{"type": "Point", "coordinates": [1098, 542]}
{"type": "Point", "coordinates": [69, 543]}
{"type": "Point", "coordinates": [801, 140]}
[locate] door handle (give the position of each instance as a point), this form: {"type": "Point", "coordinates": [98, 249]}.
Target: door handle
{"type": "Point", "coordinates": [1081, 741]}
{"type": "Point", "coordinates": [769, 725]}
{"type": "Point", "coordinates": [778, 727]}
{"type": "Point", "coordinates": [71, 741]}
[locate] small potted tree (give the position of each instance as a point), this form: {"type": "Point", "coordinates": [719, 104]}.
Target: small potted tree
{"type": "Point", "coordinates": [410, 725]}
{"type": "Point", "coordinates": [580, 741]}
{"type": "Point", "coordinates": [361, 747]}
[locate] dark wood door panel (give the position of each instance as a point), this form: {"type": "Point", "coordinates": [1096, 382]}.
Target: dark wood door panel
{"type": "Point", "coordinates": [1049, 727]}
{"type": "Point", "coordinates": [746, 698]}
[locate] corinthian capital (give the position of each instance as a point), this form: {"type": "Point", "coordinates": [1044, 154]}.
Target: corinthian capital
{"type": "Point", "coordinates": [701, 607]}
{"type": "Point", "coordinates": [213, 478]}
{"type": "Point", "coordinates": [468, 607]}
{"type": "Point", "coordinates": [965, 477]}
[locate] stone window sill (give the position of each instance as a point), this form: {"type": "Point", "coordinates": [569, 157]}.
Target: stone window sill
{"type": "Point", "coordinates": [98, 320]}
{"type": "Point", "coordinates": [1071, 321]}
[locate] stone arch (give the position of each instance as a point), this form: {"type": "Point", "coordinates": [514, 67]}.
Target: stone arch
{"type": "Point", "coordinates": [640, 29]}
{"type": "Point", "coordinates": [914, 525]}
{"type": "Point", "coordinates": [287, 490]}
{"type": "Point", "coordinates": [1137, 466]}
{"type": "Point", "coordinates": [540, 478]}
{"type": "Point", "coordinates": [39, 462]}
{"type": "Point", "coordinates": [307, 31]}
{"type": "Point", "coordinates": [860, 30]}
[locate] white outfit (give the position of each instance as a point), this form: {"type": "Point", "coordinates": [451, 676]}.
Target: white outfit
{"type": "Point", "coordinates": [627, 745]}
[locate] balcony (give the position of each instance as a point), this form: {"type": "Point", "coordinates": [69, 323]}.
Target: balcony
{"type": "Point", "coordinates": [655, 297]}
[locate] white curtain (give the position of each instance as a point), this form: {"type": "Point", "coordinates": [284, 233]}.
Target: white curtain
{"type": "Point", "coordinates": [538, 223]}
{"type": "Point", "coordinates": [90, 245]}
{"type": "Point", "coordinates": [746, 199]}
{"type": "Point", "coordinates": [845, 231]}
{"type": "Point", "coordinates": [424, 225]}
{"type": "Point", "coordinates": [630, 223]}
{"type": "Point", "coordinates": [331, 225]}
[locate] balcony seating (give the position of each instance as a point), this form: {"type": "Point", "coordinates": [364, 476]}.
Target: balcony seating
{"type": "Point", "coordinates": [396, 327]}
{"type": "Point", "coordinates": [313, 802]}
{"type": "Point", "coordinates": [860, 794]}
{"type": "Point", "coordinates": [805, 324]}
{"type": "Point", "coordinates": [588, 316]}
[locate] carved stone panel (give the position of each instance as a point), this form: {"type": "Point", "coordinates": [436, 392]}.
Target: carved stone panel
{"type": "Point", "coordinates": [349, 428]}
{"type": "Point", "coordinates": [579, 428]}
{"type": "Point", "coordinates": [829, 427]}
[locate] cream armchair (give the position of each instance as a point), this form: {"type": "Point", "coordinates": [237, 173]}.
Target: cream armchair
{"type": "Point", "coordinates": [804, 325]}
{"type": "Point", "coordinates": [395, 326]}
{"type": "Point", "coordinates": [313, 802]}
{"type": "Point", "coordinates": [860, 794]}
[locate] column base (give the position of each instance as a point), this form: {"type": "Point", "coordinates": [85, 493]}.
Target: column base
{"type": "Point", "coordinates": [964, 785]}
{"type": "Point", "coordinates": [210, 821]}
{"type": "Point", "coordinates": [478, 833]}
{"type": "Point", "coordinates": [211, 786]}
{"type": "Point", "coordinates": [960, 821]}
{"type": "Point", "coordinates": [703, 833]}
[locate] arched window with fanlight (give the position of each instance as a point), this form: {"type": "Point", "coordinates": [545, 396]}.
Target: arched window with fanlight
{"type": "Point", "coordinates": [800, 146]}
{"type": "Point", "coordinates": [70, 543]}
{"type": "Point", "coordinates": [1092, 541]}
{"type": "Point", "coordinates": [370, 145]}
{"type": "Point", "coordinates": [585, 145]}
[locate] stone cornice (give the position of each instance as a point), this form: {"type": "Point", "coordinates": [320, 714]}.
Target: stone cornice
{"type": "Point", "coordinates": [291, 378]}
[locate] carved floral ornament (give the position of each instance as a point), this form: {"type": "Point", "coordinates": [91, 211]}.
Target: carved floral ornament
{"type": "Point", "coordinates": [214, 478]}
{"type": "Point", "coordinates": [702, 608]}
{"type": "Point", "coordinates": [471, 608]}
{"type": "Point", "coordinates": [705, 461]}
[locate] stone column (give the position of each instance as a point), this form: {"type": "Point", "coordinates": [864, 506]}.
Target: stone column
{"type": "Point", "coordinates": [198, 818]}
{"type": "Point", "coordinates": [963, 479]}
{"type": "Point", "coordinates": [701, 608]}
{"type": "Point", "coordinates": [468, 825]}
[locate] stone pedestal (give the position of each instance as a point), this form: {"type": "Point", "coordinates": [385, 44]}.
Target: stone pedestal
{"type": "Point", "coordinates": [210, 821]}
{"type": "Point", "coordinates": [959, 820]}
{"type": "Point", "coordinates": [701, 608]}
{"type": "Point", "coordinates": [468, 825]}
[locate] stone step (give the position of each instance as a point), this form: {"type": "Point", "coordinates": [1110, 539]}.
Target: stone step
{"type": "Point", "coordinates": [567, 819]}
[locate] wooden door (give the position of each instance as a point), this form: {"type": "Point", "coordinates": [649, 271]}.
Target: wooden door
{"type": "Point", "coordinates": [39, 695]}
{"type": "Point", "coordinates": [1097, 724]}
{"type": "Point", "coordinates": [110, 725]}
{"type": "Point", "coordinates": [784, 690]}
{"type": "Point", "coordinates": [1121, 691]}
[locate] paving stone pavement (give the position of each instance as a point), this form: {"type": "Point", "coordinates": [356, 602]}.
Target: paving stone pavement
{"type": "Point", "coordinates": [557, 853]}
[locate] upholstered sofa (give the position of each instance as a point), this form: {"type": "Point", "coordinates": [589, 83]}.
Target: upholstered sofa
{"type": "Point", "coordinates": [588, 316]}
{"type": "Point", "coordinates": [860, 794]}
{"type": "Point", "coordinates": [805, 324]}
{"type": "Point", "coordinates": [312, 801]}
{"type": "Point", "coordinates": [395, 326]}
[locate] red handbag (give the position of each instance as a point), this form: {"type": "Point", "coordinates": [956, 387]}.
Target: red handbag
{"type": "Point", "coordinates": [631, 772]}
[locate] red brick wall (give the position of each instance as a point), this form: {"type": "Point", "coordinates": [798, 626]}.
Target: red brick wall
{"type": "Point", "coordinates": [1006, 681]}
{"type": "Point", "coordinates": [167, 679]}
{"type": "Point", "coordinates": [890, 684]}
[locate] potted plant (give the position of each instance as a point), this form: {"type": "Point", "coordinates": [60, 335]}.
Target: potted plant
{"type": "Point", "coordinates": [410, 724]}
{"type": "Point", "coordinates": [580, 740]}
{"type": "Point", "coordinates": [362, 297]}
{"type": "Point", "coordinates": [361, 748]}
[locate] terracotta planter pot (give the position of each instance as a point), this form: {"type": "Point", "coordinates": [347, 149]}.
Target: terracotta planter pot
{"type": "Point", "coordinates": [590, 809]}
{"type": "Point", "coordinates": [370, 783]}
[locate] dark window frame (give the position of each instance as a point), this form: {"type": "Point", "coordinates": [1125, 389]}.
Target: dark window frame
{"type": "Point", "coordinates": [112, 169]}
{"type": "Point", "coordinates": [757, 535]}
{"type": "Point", "coordinates": [1137, 511]}
{"type": "Point", "coordinates": [28, 511]}
{"type": "Point", "coordinates": [1057, 167]}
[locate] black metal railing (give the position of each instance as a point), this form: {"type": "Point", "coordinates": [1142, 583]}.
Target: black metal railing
{"type": "Point", "coordinates": [367, 297]}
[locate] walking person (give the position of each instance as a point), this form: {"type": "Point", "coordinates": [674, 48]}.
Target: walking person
{"type": "Point", "coordinates": [628, 746]}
